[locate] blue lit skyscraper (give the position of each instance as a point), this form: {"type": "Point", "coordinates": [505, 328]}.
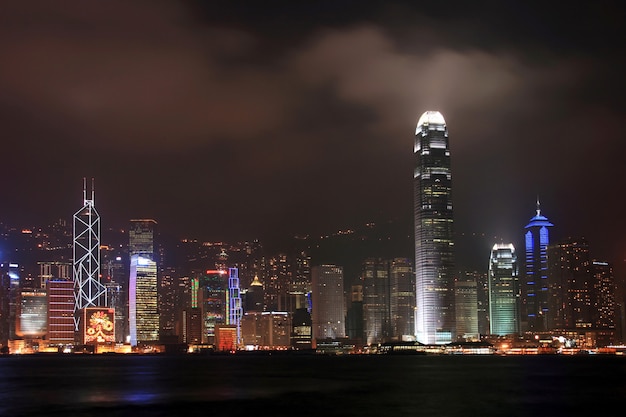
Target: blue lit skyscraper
{"type": "Point", "coordinates": [503, 291]}
{"type": "Point", "coordinates": [435, 321]}
{"type": "Point", "coordinates": [535, 297]}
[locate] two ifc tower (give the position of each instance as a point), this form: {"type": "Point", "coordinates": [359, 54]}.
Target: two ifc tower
{"type": "Point", "coordinates": [435, 321]}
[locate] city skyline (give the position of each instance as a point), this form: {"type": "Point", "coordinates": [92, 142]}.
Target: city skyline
{"type": "Point", "coordinates": [239, 121]}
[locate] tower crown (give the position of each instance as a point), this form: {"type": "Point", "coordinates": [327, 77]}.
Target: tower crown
{"type": "Point", "coordinates": [428, 118]}
{"type": "Point", "coordinates": [539, 219]}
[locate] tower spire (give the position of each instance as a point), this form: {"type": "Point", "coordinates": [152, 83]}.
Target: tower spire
{"type": "Point", "coordinates": [538, 206]}
{"type": "Point", "coordinates": [84, 190]}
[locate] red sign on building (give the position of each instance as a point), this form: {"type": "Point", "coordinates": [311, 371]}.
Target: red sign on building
{"type": "Point", "coordinates": [99, 325]}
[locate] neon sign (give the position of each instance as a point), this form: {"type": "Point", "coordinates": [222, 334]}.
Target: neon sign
{"type": "Point", "coordinates": [99, 325]}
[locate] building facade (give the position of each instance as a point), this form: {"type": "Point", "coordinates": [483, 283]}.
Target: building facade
{"type": "Point", "coordinates": [604, 315]}
{"type": "Point", "coordinates": [301, 329]}
{"type": "Point", "coordinates": [504, 293]}
{"type": "Point", "coordinates": [402, 299]}
{"type": "Point", "coordinates": [535, 299]}
{"type": "Point", "coordinates": [434, 232]}
{"type": "Point", "coordinates": [328, 313]}
{"type": "Point", "coordinates": [269, 330]}
{"type": "Point", "coordinates": [60, 311]}
{"type": "Point", "coordinates": [142, 301]}
{"type": "Point", "coordinates": [32, 314]}
{"type": "Point", "coordinates": [376, 306]}
{"type": "Point", "coordinates": [213, 295]}
{"type": "Point", "coordinates": [254, 297]}
{"type": "Point", "coordinates": [88, 290]}
{"type": "Point", "coordinates": [141, 236]}
{"type": "Point", "coordinates": [466, 306]}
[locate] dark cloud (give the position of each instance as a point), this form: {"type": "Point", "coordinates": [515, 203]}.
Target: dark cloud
{"type": "Point", "coordinates": [236, 119]}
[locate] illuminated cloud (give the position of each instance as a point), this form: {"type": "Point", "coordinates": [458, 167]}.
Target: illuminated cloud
{"type": "Point", "coordinates": [306, 121]}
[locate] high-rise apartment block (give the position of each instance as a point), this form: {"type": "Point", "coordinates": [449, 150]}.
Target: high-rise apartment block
{"type": "Point", "coordinates": [434, 232]}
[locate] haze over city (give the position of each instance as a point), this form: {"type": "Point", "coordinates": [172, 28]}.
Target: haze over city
{"type": "Point", "coordinates": [229, 120]}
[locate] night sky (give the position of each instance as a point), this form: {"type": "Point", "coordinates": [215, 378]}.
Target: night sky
{"type": "Point", "coordinates": [251, 120]}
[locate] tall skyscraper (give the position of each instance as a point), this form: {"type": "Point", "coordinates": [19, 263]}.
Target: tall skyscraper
{"type": "Point", "coordinates": [142, 301]}
{"type": "Point", "coordinates": [235, 309]}
{"type": "Point", "coordinates": [480, 282]}
{"type": "Point", "coordinates": [213, 301]}
{"type": "Point", "coordinates": [254, 296]}
{"type": "Point", "coordinates": [60, 311]}
{"type": "Point", "coordinates": [143, 282]}
{"type": "Point", "coordinates": [402, 299]}
{"type": "Point", "coordinates": [9, 300]}
{"type": "Point", "coordinates": [302, 330]}
{"type": "Point", "coordinates": [32, 322]}
{"type": "Point", "coordinates": [168, 302]}
{"type": "Point", "coordinates": [504, 295]}
{"type": "Point", "coordinates": [354, 314]}
{"type": "Point", "coordinates": [535, 299]}
{"type": "Point", "coordinates": [434, 232]}
{"type": "Point", "coordinates": [328, 312]}
{"type": "Point", "coordinates": [376, 301]}
{"type": "Point", "coordinates": [141, 237]}
{"type": "Point", "coordinates": [571, 302]}
{"type": "Point", "coordinates": [5, 291]}
{"type": "Point", "coordinates": [604, 295]}
{"type": "Point", "coordinates": [466, 306]}
{"type": "Point", "coordinates": [88, 291]}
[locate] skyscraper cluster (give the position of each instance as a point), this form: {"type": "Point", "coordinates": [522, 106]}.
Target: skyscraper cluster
{"type": "Point", "coordinates": [217, 295]}
{"type": "Point", "coordinates": [560, 290]}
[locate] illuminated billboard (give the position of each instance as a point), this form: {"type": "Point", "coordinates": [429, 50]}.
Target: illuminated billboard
{"type": "Point", "coordinates": [99, 325]}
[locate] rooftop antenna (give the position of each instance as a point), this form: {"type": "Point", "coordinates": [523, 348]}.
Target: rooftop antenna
{"type": "Point", "coordinates": [538, 206]}
{"type": "Point", "coordinates": [85, 201]}
{"type": "Point", "coordinates": [84, 191]}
